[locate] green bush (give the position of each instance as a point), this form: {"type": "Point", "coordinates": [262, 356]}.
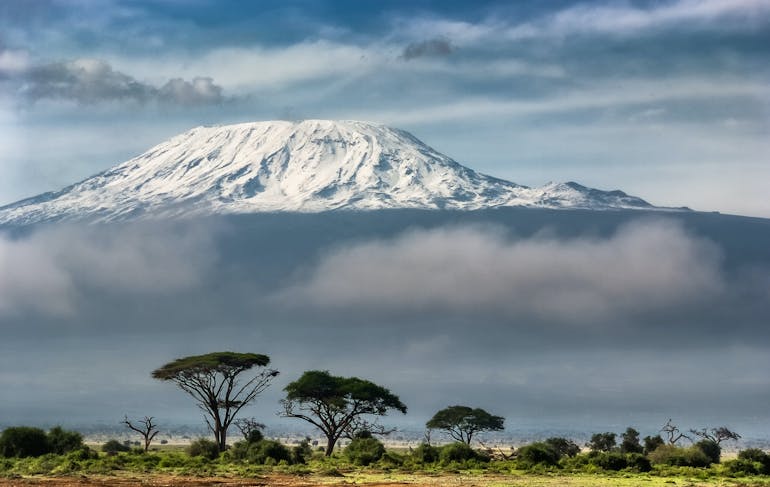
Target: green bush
{"type": "Point", "coordinates": [537, 454]}
{"type": "Point", "coordinates": [114, 446]}
{"type": "Point", "coordinates": [364, 451]}
{"type": "Point", "coordinates": [301, 453]}
{"type": "Point", "coordinates": [459, 452]}
{"type": "Point", "coordinates": [608, 460]}
{"type": "Point", "coordinates": [638, 462]}
{"type": "Point", "coordinates": [602, 442]}
{"type": "Point", "coordinates": [82, 453]}
{"type": "Point", "coordinates": [62, 441]}
{"type": "Point", "coordinates": [23, 441]}
{"type": "Point", "coordinates": [711, 449]}
{"type": "Point", "coordinates": [563, 447]}
{"type": "Point", "coordinates": [268, 452]}
{"type": "Point", "coordinates": [203, 447]}
{"type": "Point", "coordinates": [751, 461]}
{"type": "Point", "coordinates": [425, 453]}
{"type": "Point", "coordinates": [651, 443]}
{"type": "Point", "coordinates": [678, 456]}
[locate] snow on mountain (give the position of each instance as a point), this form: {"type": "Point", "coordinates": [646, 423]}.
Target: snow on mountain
{"type": "Point", "coordinates": [308, 166]}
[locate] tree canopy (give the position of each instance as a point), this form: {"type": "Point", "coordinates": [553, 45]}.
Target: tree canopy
{"type": "Point", "coordinates": [336, 404]}
{"type": "Point", "coordinates": [213, 381]}
{"type": "Point", "coordinates": [461, 423]}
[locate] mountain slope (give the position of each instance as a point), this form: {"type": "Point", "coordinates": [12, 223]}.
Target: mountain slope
{"type": "Point", "coordinates": [308, 166]}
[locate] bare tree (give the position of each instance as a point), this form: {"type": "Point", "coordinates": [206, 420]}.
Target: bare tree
{"type": "Point", "coordinates": [717, 435]}
{"type": "Point", "coordinates": [360, 425]}
{"type": "Point", "coordinates": [145, 427]}
{"type": "Point", "coordinates": [250, 428]}
{"type": "Point", "coordinates": [672, 433]}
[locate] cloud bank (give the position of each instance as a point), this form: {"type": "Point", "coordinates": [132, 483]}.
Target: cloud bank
{"type": "Point", "coordinates": [645, 267]}
{"type": "Point", "coordinates": [51, 272]}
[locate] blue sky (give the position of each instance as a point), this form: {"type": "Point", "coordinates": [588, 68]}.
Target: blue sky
{"type": "Point", "coordinates": [667, 100]}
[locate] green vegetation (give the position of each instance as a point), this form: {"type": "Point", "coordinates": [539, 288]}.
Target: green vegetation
{"type": "Point", "coordinates": [337, 406]}
{"type": "Point", "coordinates": [341, 407]}
{"type": "Point", "coordinates": [461, 423]}
{"type": "Point", "coordinates": [214, 382]}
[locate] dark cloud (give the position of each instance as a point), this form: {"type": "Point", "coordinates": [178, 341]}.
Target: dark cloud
{"type": "Point", "coordinates": [92, 81]}
{"type": "Point", "coordinates": [428, 48]}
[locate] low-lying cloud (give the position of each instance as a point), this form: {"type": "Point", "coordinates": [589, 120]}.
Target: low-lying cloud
{"type": "Point", "coordinates": [93, 81]}
{"type": "Point", "coordinates": [50, 271]}
{"type": "Point", "coordinates": [644, 268]}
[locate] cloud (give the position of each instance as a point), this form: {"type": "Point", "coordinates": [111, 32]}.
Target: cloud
{"type": "Point", "coordinates": [597, 18]}
{"type": "Point", "coordinates": [12, 61]}
{"type": "Point", "coordinates": [644, 268]}
{"type": "Point", "coordinates": [49, 271]}
{"type": "Point", "coordinates": [430, 48]}
{"type": "Point", "coordinates": [92, 81]}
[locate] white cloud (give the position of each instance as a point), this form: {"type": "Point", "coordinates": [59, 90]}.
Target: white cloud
{"type": "Point", "coordinates": [644, 268]}
{"type": "Point", "coordinates": [49, 270]}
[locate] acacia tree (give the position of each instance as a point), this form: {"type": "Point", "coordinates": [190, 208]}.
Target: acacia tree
{"type": "Point", "coordinates": [716, 435]}
{"type": "Point", "coordinates": [145, 427]}
{"type": "Point", "coordinates": [672, 432]}
{"type": "Point", "coordinates": [334, 404]}
{"type": "Point", "coordinates": [461, 423]}
{"type": "Point", "coordinates": [214, 381]}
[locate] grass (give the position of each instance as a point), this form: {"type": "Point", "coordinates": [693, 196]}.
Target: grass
{"type": "Point", "coordinates": [173, 463]}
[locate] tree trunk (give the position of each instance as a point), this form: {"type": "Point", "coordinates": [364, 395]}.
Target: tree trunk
{"type": "Point", "coordinates": [330, 442]}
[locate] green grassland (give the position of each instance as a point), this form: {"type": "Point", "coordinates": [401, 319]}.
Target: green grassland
{"type": "Point", "coordinates": [393, 468]}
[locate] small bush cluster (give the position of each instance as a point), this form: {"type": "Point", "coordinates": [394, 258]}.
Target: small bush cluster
{"type": "Point", "coordinates": [364, 451]}
{"type": "Point", "coordinates": [751, 461]}
{"type": "Point", "coordinates": [25, 441]}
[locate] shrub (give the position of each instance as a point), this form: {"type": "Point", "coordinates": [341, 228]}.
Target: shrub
{"type": "Point", "coordinates": [114, 446]}
{"type": "Point", "coordinates": [62, 441]}
{"type": "Point", "coordinates": [711, 449]}
{"type": "Point", "coordinates": [651, 443]}
{"type": "Point", "coordinates": [268, 452]}
{"type": "Point", "coordinates": [458, 452]}
{"type": "Point", "coordinates": [537, 454]}
{"type": "Point", "coordinates": [23, 441]}
{"type": "Point", "coordinates": [425, 453]}
{"type": "Point", "coordinates": [563, 447]}
{"type": "Point", "coordinates": [301, 453]}
{"type": "Point", "coordinates": [602, 442]}
{"type": "Point", "coordinates": [203, 447]}
{"type": "Point", "coordinates": [677, 456]}
{"type": "Point", "coordinates": [630, 442]}
{"type": "Point", "coordinates": [608, 460]}
{"type": "Point", "coordinates": [364, 451]}
{"type": "Point", "coordinates": [751, 461]}
{"type": "Point", "coordinates": [82, 453]}
{"type": "Point", "coordinates": [638, 462]}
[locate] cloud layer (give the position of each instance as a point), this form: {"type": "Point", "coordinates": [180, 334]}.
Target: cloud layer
{"type": "Point", "coordinates": [644, 268]}
{"type": "Point", "coordinates": [51, 272]}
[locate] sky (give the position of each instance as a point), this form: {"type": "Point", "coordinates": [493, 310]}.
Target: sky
{"type": "Point", "coordinates": [666, 100]}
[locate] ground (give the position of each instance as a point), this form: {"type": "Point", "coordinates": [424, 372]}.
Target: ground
{"type": "Point", "coordinates": [380, 480]}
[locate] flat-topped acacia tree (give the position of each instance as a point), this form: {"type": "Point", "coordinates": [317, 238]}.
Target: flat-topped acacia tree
{"type": "Point", "coordinates": [334, 404]}
{"type": "Point", "coordinates": [214, 381]}
{"type": "Point", "coordinates": [461, 423]}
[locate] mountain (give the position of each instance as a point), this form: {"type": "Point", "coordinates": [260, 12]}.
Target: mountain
{"type": "Point", "coordinates": [308, 166]}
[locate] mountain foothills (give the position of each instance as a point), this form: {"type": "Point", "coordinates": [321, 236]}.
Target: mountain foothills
{"type": "Point", "coordinates": [308, 166]}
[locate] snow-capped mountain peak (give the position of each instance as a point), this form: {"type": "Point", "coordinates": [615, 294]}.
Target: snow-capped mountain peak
{"type": "Point", "coordinates": [307, 166]}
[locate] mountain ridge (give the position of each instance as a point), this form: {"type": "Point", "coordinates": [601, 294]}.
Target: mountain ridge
{"type": "Point", "coordinates": [307, 166]}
